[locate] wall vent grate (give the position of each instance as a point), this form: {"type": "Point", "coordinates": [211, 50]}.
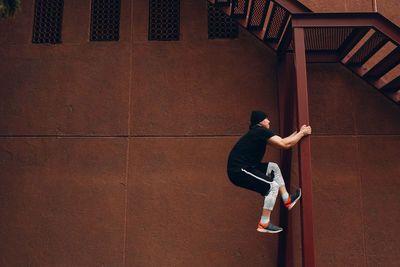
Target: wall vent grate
{"type": "Point", "coordinates": [104, 20]}
{"type": "Point", "coordinates": [47, 21]}
{"type": "Point", "coordinates": [164, 20]}
{"type": "Point", "coordinates": [220, 25]}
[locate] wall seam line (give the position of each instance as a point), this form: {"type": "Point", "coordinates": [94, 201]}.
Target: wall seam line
{"type": "Point", "coordinates": [361, 201]}
{"type": "Point", "coordinates": [128, 138]}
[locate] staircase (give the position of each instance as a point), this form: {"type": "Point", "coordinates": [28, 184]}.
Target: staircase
{"type": "Point", "coordinates": [366, 43]}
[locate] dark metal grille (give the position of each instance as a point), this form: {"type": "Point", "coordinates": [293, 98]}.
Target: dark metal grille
{"type": "Point", "coordinates": [276, 23]}
{"type": "Point", "coordinates": [354, 37]}
{"type": "Point", "coordinates": [325, 38]}
{"type": "Point", "coordinates": [239, 8]}
{"type": "Point", "coordinates": [220, 25]}
{"type": "Point", "coordinates": [371, 46]}
{"type": "Point", "coordinates": [222, 2]}
{"type": "Point", "coordinates": [164, 20]}
{"type": "Point", "coordinates": [104, 21]}
{"type": "Point", "coordinates": [47, 21]}
{"type": "Point", "coordinates": [258, 12]}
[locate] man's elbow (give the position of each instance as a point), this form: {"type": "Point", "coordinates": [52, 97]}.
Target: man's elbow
{"type": "Point", "coordinates": [286, 146]}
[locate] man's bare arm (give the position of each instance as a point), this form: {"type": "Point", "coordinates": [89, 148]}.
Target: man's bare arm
{"type": "Point", "coordinates": [293, 139]}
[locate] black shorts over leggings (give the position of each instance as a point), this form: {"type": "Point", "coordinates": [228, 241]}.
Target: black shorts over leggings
{"type": "Point", "coordinates": [252, 178]}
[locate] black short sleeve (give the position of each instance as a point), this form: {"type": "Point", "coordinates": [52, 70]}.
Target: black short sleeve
{"type": "Point", "coordinates": [264, 133]}
{"type": "Point", "coordinates": [250, 149]}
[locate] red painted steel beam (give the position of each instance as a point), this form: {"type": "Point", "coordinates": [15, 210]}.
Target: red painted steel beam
{"type": "Point", "coordinates": [286, 94]}
{"type": "Point", "coordinates": [293, 6]}
{"type": "Point", "coordinates": [386, 27]}
{"type": "Point", "coordinates": [286, 39]}
{"type": "Point", "coordinates": [304, 149]}
{"type": "Point", "coordinates": [374, 6]}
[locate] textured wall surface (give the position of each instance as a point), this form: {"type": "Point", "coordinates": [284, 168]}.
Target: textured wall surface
{"type": "Point", "coordinates": [114, 153]}
{"type": "Point", "coordinates": [388, 8]}
{"type": "Point", "coordinates": [338, 6]}
{"type": "Point", "coordinates": [355, 172]}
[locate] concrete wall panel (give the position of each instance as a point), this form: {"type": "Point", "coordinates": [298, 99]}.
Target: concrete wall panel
{"type": "Point", "coordinates": [63, 199]}
{"type": "Point", "coordinates": [331, 99]}
{"type": "Point", "coordinates": [62, 202]}
{"type": "Point", "coordinates": [380, 174]}
{"type": "Point", "coordinates": [338, 6]}
{"type": "Point", "coordinates": [194, 20]}
{"type": "Point", "coordinates": [197, 86]}
{"type": "Point", "coordinates": [374, 113]}
{"type": "Point", "coordinates": [203, 89]}
{"type": "Point", "coordinates": [183, 210]}
{"type": "Point", "coordinates": [389, 9]}
{"type": "Point", "coordinates": [338, 214]}
{"type": "Point", "coordinates": [342, 103]}
{"type": "Point", "coordinates": [346, 177]}
{"type": "Point", "coordinates": [65, 90]}
{"type": "Point", "coordinates": [76, 21]}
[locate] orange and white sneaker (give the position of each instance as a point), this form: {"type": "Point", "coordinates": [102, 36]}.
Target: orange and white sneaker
{"type": "Point", "coordinates": [293, 198]}
{"type": "Point", "coordinates": [269, 228]}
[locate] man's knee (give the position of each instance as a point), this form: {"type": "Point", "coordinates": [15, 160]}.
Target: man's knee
{"type": "Point", "coordinates": [275, 173]}
{"type": "Point", "coordinates": [273, 166]}
{"type": "Point", "coordinates": [273, 191]}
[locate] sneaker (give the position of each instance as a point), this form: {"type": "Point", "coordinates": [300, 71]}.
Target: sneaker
{"type": "Point", "coordinates": [293, 198]}
{"type": "Point", "coordinates": [269, 228]}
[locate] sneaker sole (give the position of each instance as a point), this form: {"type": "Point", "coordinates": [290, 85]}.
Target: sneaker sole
{"type": "Point", "coordinates": [294, 203]}
{"type": "Point", "coordinates": [269, 231]}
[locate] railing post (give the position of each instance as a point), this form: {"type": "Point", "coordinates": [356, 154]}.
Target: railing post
{"type": "Point", "coordinates": [304, 150]}
{"type": "Point", "coordinates": [374, 6]}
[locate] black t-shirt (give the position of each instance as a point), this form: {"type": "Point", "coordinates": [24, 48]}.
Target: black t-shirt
{"type": "Point", "coordinates": [250, 149]}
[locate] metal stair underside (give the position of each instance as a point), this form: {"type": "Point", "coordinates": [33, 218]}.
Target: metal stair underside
{"type": "Point", "coordinates": [366, 43]}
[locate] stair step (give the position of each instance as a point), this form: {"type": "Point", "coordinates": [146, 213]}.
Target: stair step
{"type": "Point", "coordinates": [351, 41]}
{"type": "Point", "coordinates": [239, 8]}
{"type": "Point", "coordinates": [392, 86]}
{"type": "Point", "coordinates": [384, 66]}
{"type": "Point", "coordinates": [258, 13]}
{"type": "Point", "coordinates": [276, 24]}
{"type": "Point", "coordinates": [371, 46]}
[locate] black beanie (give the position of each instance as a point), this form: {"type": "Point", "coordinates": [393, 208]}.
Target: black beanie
{"type": "Point", "coordinates": [257, 116]}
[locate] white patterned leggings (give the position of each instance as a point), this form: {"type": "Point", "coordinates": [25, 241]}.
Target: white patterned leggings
{"type": "Point", "coordinates": [266, 178]}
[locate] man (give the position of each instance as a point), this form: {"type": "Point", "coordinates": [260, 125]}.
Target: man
{"type": "Point", "coordinates": [246, 170]}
